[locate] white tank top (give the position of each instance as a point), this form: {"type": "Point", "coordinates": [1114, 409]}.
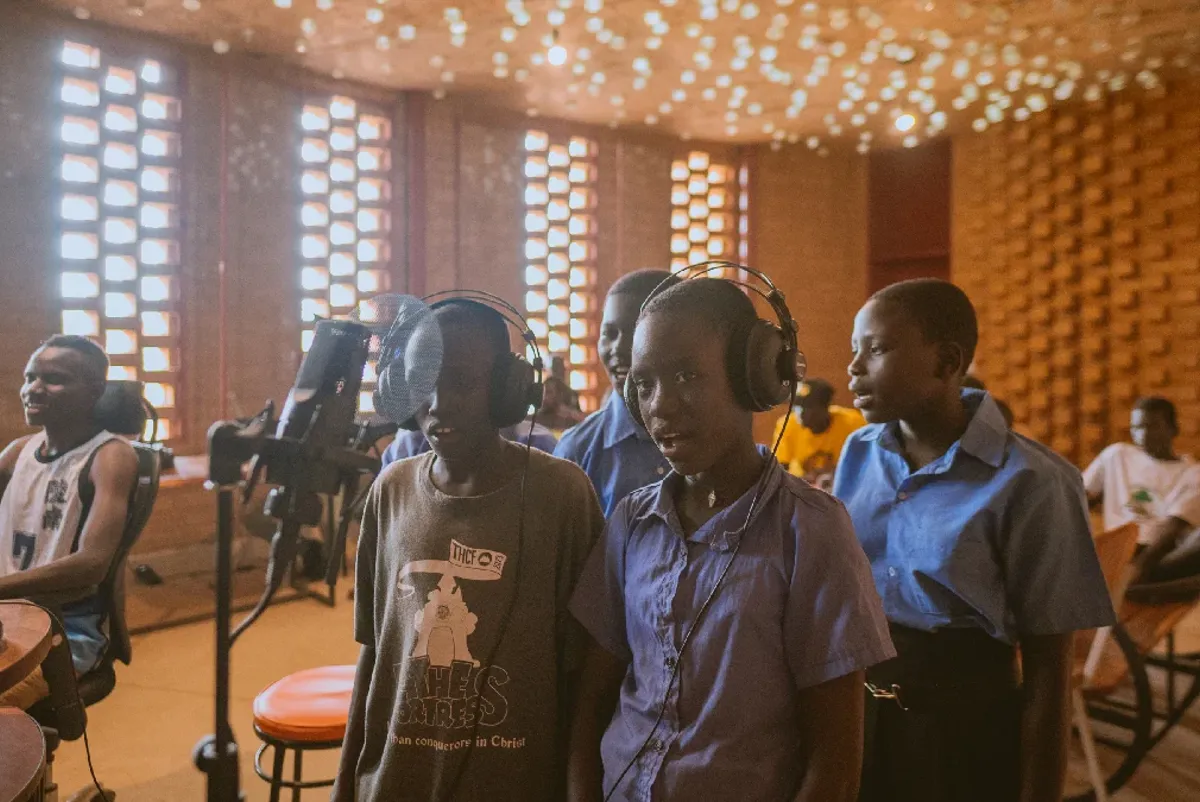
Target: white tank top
{"type": "Point", "coordinates": [43, 509]}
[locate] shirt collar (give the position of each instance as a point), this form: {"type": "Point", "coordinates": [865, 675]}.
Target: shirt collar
{"type": "Point", "coordinates": [618, 422]}
{"type": "Point", "coordinates": [986, 437]}
{"type": "Point", "coordinates": [723, 531]}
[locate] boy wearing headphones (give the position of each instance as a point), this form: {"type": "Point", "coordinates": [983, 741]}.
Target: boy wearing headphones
{"type": "Point", "coordinates": [617, 454]}
{"type": "Point", "coordinates": [731, 608]}
{"type": "Point", "coordinates": [979, 542]}
{"type": "Point", "coordinates": [466, 559]}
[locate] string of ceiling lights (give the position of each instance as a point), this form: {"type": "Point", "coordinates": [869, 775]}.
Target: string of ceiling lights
{"type": "Point", "coordinates": [786, 71]}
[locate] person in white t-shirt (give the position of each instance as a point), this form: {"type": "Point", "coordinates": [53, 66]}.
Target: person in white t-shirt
{"type": "Point", "coordinates": [1146, 482]}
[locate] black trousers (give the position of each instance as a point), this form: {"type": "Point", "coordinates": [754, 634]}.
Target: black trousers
{"type": "Point", "coordinates": [959, 739]}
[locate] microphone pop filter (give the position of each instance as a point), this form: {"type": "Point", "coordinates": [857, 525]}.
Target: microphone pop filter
{"type": "Point", "coordinates": [408, 356]}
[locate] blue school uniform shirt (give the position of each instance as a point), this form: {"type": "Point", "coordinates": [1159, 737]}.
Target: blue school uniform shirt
{"type": "Point", "coordinates": [410, 444]}
{"type": "Point", "coordinates": [796, 609]}
{"type": "Point", "coordinates": [993, 534]}
{"type": "Point", "coordinates": [616, 454]}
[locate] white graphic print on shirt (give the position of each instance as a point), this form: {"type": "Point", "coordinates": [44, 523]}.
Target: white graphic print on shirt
{"type": "Point", "coordinates": [445, 684]}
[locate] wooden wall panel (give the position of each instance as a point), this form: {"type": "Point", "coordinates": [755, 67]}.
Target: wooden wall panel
{"type": "Point", "coordinates": [491, 210]}
{"type": "Point", "coordinates": [1076, 235]}
{"type": "Point", "coordinates": [810, 219]}
{"type": "Point", "coordinates": [29, 255]}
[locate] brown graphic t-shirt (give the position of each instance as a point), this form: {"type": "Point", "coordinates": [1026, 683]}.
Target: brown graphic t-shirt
{"type": "Point", "coordinates": [436, 575]}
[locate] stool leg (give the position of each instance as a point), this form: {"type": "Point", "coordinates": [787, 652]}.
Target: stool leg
{"type": "Point", "coordinates": [296, 775]}
{"type": "Point", "coordinates": [1087, 740]}
{"type": "Point", "coordinates": [277, 772]}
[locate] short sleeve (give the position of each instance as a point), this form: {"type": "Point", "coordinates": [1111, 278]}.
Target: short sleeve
{"type": "Point", "coordinates": [1184, 500]}
{"type": "Point", "coordinates": [1093, 475]}
{"type": "Point", "coordinates": [834, 622]}
{"type": "Point", "coordinates": [364, 570]}
{"type": "Point", "coordinates": [1053, 580]}
{"type": "Point", "coordinates": [584, 526]}
{"type": "Point", "coordinates": [599, 599]}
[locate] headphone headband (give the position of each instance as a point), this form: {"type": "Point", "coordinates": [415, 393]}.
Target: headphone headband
{"type": "Point", "coordinates": [516, 382]}
{"type": "Point", "coordinates": [774, 298]}
{"type": "Point", "coordinates": [503, 308]}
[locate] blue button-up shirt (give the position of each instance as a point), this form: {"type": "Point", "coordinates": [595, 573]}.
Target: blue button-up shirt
{"type": "Point", "coordinates": [410, 444]}
{"type": "Point", "coordinates": [993, 534]}
{"type": "Point", "coordinates": [796, 609]}
{"type": "Point", "coordinates": [616, 454]}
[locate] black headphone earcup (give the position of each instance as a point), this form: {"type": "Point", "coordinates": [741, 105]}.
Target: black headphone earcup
{"type": "Point", "coordinates": [514, 389]}
{"type": "Point", "coordinates": [629, 396]}
{"type": "Point", "coordinates": [767, 376]}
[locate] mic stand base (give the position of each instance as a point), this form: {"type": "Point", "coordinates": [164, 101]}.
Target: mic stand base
{"type": "Point", "coordinates": [222, 771]}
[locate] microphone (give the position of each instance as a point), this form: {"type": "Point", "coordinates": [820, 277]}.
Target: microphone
{"type": "Point", "coordinates": [311, 451]}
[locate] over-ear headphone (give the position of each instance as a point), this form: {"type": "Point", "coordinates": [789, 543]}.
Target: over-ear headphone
{"type": "Point", "coordinates": [764, 360]}
{"type": "Point", "coordinates": [516, 383]}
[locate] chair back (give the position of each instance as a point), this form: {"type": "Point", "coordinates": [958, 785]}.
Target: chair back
{"type": "Point", "coordinates": [1115, 550]}
{"type": "Point", "coordinates": [112, 590]}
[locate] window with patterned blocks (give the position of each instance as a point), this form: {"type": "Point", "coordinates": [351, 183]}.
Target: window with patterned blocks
{"type": "Point", "coordinates": [118, 203]}
{"type": "Point", "coordinates": [560, 256]}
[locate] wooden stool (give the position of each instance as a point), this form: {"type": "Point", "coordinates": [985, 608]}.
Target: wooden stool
{"type": "Point", "coordinates": [303, 711]}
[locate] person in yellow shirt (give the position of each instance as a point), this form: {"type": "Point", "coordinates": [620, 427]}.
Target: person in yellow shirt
{"type": "Point", "coordinates": [816, 433]}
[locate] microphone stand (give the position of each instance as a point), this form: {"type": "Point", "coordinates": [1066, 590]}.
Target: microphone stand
{"type": "Point", "coordinates": [231, 444]}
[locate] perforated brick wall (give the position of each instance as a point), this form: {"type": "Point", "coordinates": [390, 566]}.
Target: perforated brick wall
{"type": "Point", "coordinates": [1077, 236]}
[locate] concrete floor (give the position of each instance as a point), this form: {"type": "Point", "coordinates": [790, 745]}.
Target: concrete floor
{"type": "Point", "coordinates": [143, 734]}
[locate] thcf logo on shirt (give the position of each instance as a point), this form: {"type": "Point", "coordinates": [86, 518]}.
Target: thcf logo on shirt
{"type": "Point", "coordinates": [462, 556]}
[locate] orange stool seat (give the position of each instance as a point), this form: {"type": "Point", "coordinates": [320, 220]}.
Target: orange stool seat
{"type": "Point", "coordinates": [310, 706]}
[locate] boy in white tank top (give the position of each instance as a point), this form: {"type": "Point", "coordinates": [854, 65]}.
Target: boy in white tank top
{"type": "Point", "coordinates": [64, 496]}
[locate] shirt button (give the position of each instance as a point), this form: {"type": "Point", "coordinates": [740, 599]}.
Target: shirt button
{"type": "Point", "coordinates": [657, 746]}
{"type": "Point", "coordinates": [902, 495]}
{"type": "Point", "coordinates": [891, 571]}
{"type": "Point", "coordinates": [660, 470]}
{"type": "Point", "coordinates": [670, 663]}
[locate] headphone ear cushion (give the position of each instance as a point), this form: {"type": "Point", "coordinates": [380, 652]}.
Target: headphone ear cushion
{"type": "Point", "coordinates": [629, 395]}
{"type": "Point", "coordinates": [513, 389]}
{"type": "Point", "coordinates": [767, 377]}
{"type": "Point", "coordinates": [736, 366]}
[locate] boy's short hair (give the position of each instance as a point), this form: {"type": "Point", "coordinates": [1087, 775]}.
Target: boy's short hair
{"type": "Point", "coordinates": [94, 358]}
{"type": "Point", "coordinates": [640, 283]}
{"type": "Point", "coordinates": [942, 310]}
{"type": "Point", "coordinates": [471, 313]}
{"type": "Point", "coordinates": [719, 303]}
{"type": "Point", "coordinates": [814, 393]}
{"type": "Point", "coordinates": [1156, 404]}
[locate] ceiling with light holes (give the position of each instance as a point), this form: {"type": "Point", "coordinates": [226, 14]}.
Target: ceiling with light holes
{"type": "Point", "coordinates": [881, 73]}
